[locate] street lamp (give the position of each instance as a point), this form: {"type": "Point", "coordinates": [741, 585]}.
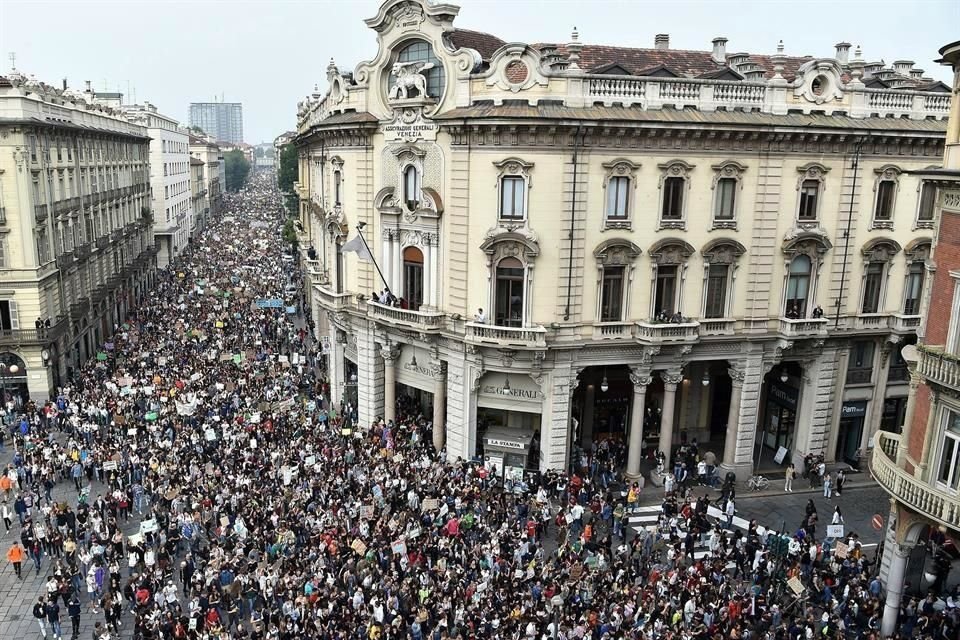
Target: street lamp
{"type": "Point", "coordinates": [4, 367]}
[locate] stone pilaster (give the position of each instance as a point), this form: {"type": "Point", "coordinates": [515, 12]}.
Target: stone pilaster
{"type": "Point", "coordinates": [764, 241]}
{"type": "Point", "coordinates": [746, 444]}
{"type": "Point", "coordinates": [370, 383]}
{"type": "Point", "coordinates": [570, 272]}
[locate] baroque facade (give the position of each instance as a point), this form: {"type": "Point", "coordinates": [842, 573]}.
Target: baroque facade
{"type": "Point", "coordinates": [920, 466]}
{"type": "Point", "coordinates": [592, 242]}
{"type": "Point", "coordinates": [76, 239]}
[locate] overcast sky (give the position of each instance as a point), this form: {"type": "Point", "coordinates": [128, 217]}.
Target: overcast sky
{"type": "Point", "coordinates": [268, 55]}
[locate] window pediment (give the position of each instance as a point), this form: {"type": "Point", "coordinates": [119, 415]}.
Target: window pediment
{"type": "Point", "coordinates": [880, 250]}
{"type": "Point", "coordinates": [888, 172]}
{"type": "Point", "coordinates": [514, 167]}
{"type": "Point", "coordinates": [616, 252]}
{"type": "Point", "coordinates": [722, 251]}
{"type": "Point", "coordinates": [812, 171]}
{"type": "Point", "coordinates": [502, 242]}
{"type": "Point", "coordinates": [671, 251]}
{"type": "Point", "coordinates": [807, 243]}
{"type": "Point", "coordinates": [918, 249]}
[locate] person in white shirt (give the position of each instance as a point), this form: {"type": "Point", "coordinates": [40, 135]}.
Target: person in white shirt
{"type": "Point", "coordinates": [480, 317]}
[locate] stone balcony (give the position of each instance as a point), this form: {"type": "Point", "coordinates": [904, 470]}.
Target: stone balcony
{"type": "Point", "coordinates": [613, 330]}
{"type": "Point", "coordinates": [939, 367]}
{"type": "Point", "coordinates": [331, 300]}
{"type": "Point", "coordinates": [937, 504]}
{"type": "Point", "coordinates": [506, 337]}
{"type": "Point", "coordinates": [710, 327]}
{"type": "Point", "coordinates": [802, 328]}
{"type": "Point", "coordinates": [901, 323]}
{"type": "Point", "coordinates": [423, 321]}
{"type": "Point", "coordinates": [668, 332]}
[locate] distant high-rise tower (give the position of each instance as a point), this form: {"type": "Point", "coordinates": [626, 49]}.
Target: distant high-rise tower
{"type": "Point", "coordinates": [223, 120]}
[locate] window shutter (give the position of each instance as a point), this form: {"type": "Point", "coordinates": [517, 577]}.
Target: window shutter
{"type": "Point", "coordinates": [14, 315]}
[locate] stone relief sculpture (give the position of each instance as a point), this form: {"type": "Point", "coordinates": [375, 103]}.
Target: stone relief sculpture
{"type": "Point", "coordinates": [408, 76]}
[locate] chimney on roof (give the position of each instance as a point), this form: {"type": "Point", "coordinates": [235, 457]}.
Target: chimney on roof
{"type": "Point", "coordinates": [843, 52]}
{"type": "Point", "coordinates": [661, 41]}
{"type": "Point", "coordinates": [916, 73]}
{"type": "Point", "coordinates": [88, 86]}
{"type": "Point", "coordinates": [719, 54]}
{"type": "Point", "coordinates": [903, 67]}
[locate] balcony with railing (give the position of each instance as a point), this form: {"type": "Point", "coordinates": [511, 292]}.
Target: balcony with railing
{"type": "Point", "coordinates": [331, 300]}
{"type": "Point", "coordinates": [45, 335]}
{"type": "Point", "coordinates": [613, 330]}
{"type": "Point", "coordinates": [40, 212]}
{"type": "Point", "coordinates": [426, 321]}
{"type": "Point", "coordinates": [939, 367]}
{"type": "Point", "coordinates": [64, 260]}
{"type": "Point", "coordinates": [82, 252]}
{"type": "Point", "coordinates": [903, 323]}
{"type": "Point", "coordinates": [933, 502]}
{"type": "Point", "coordinates": [509, 337]}
{"type": "Point", "coordinates": [717, 327]}
{"type": "Point", "coordinates": [668, 332]}
{"type": "Point", "coordinates": [802, 328]}
{"type": "Point", "coordinates": [3, 215]}
{"type": "Point", "coordinates": [860, 376]}
{"type": "Point", "coordinates": [103, 242]}
{"type": "Point", "coordinates": [871, 322]}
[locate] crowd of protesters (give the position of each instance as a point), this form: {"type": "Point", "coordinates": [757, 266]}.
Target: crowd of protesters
{"type": "Point", "coordinates": [215, 490]}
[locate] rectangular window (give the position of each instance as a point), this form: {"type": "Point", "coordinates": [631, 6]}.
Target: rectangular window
{"type": "Point", "coordinates": [928, 199]}
{"type": "Point", "coordinates": [665, 296]}
{"type": "Point", "coordinates": [716, 302]}
{"type": "Point", "coordinates": [860, 369]}
{"type": "Point", "coordinates": [3, 252]}
{"type": "Point", "coordinates": [953, 329]}
{"type": "Point", "coordinates": [611, 295]}
{"type": "Point", "coordinates": [673, 198]}
{"type": "Point", "coordinates": [885, 192]}
{"type": "Point", "coordinates": [33, 149]}
{"type": "Point", "coordinates": [914, 289]}
{"type": "Point", "coordinates": [43, 247]}
{"type": "Point", "coordinates": [511, 197]}
{"type": "Point", "coordinates": [872, 287]}
{"type": "Point", "coordinates": [726, 199]}
{"type": "Point", "coordinates": [809, 195]}
{"type": "Point", "coordinates": [948, 465]}
{"type": "Point", "coordinates": [618, 197]}
{"type": "Point", "coordinates": [9, 317]}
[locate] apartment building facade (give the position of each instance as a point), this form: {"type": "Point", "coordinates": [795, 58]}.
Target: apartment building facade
{"type": "Point", "coordinates": [222, 120]}
{"type": "Point", "coordinates": [206, 150]}
{"type": "Point", "coordinates": [920, 466]}
{"type": "Point", "coordinates": [644, 245]}
{"type": "Point", "coordinates": [169, 179]}
{"type": "Point", "coordinates": [75, 232]}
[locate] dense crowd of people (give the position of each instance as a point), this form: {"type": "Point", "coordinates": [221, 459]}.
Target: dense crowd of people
{"type": "Point", "coordinates": [216, 492]}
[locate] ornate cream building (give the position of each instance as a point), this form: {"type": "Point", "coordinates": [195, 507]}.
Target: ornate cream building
{"type": "Point", "coordinates": [604, 242]}
{"type": "Point", "coordinates": [76, 239]}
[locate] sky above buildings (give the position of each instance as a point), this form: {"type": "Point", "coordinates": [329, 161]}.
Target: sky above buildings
{"type": "Point", "coordinates": [270, 54]}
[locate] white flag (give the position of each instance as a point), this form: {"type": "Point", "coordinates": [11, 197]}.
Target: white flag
{"type": "Point", "coordinates": [358, 246]}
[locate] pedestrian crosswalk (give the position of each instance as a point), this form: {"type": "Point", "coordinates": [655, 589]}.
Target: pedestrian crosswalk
{"type": "Point", "coordinates": [647, 517]}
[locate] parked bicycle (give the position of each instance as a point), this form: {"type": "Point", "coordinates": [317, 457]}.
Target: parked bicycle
{"type": "Point", "coordinates": [757, 483]}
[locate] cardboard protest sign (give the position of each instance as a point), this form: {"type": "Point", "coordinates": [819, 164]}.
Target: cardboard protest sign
{"type": "Point", "coordinates": [399, 547]}
{"type": "Point", "coordinates": [359, 547]}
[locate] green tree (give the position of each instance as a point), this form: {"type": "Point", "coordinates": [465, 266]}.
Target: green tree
{"type": "Point", "coordinates": [290, 233]}
{"type": "Point", "coordinates": [236, 168]}
{"type": "Point", "coordinates": [289, 171]}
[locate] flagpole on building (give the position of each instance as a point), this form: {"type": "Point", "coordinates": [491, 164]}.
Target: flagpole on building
{"type": "Point", "coordinates": [360, 226]}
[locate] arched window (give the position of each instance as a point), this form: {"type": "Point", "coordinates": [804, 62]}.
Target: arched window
{"type": "Point", "coordinates": [798, 287]}
{"type": "Point", "coordinates": [509, 295]}
{"type": "Point", "coordinates": [413, 277]}
{"type": "Point", "coordinates": [914, 288]}
{"type": "Point", "coordinates": [411, 187]}
{"type": "Point", "coordinates": [420, 51]}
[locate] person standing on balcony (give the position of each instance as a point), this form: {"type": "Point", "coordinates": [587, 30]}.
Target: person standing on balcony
{"type": "Point", "coordinates": [481, 317]}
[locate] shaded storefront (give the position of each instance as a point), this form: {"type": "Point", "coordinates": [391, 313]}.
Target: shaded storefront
{"type": "Point", "coordinates": [509, 407]}
{"type": "Point", "coordinates": [850, 430]}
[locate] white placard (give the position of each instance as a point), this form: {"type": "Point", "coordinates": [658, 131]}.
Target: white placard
{"type": "Point", "coordinates": [781, 454]}
{"type": "Point", "coordinates": [149, 526]}
{"type": "Point", "coordinates": [835, 531]}
{"type": "Point", "coordinates": [210, 434]}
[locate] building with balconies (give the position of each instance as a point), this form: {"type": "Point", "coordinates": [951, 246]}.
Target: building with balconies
{"type": "Point", "coordinates": [206, 150]}
{"type": "Point", "coordinates": [75, 238]}
{"type": "Point", "coordinates": [169, 178]}
{"type": "Point", "coordinates": [608, 243]}
{"type": "Point", "coordinates": [919, 466]}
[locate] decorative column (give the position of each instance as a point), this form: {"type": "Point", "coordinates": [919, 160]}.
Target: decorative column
{"type": "Point", "coordinates": [439, 405]}
{"type": "Point", "coordinates": [894, 584]}
{"type": "Point", "coordinates": [390, 354]}
{"type": "Point", "coordinates": [640, 377]}
{"type": "Point", "coordinates": [586, 429]}
{"type": "Point", "coordinates": [670, 382]}
{"type": "Point", "coordinates": [908, 414]}
{"type": "Point", "coordinates": [428, 282]}
{"type": "Point", "coordinates": [733, 417]}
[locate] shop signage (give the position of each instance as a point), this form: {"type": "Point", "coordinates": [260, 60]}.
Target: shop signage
{"type": "Point", "coordinates": [784, 396]}
{"type": "Point", "coordinates": [409, 125]}
{"type": "Point", "coordinates": [505, 444]}
{"type": "Point", "coordinates": [853, 409]}
{"type": "Point", "coordinates": [414, 368]}
{"type": "Point", "coordinates": [514, 392]}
